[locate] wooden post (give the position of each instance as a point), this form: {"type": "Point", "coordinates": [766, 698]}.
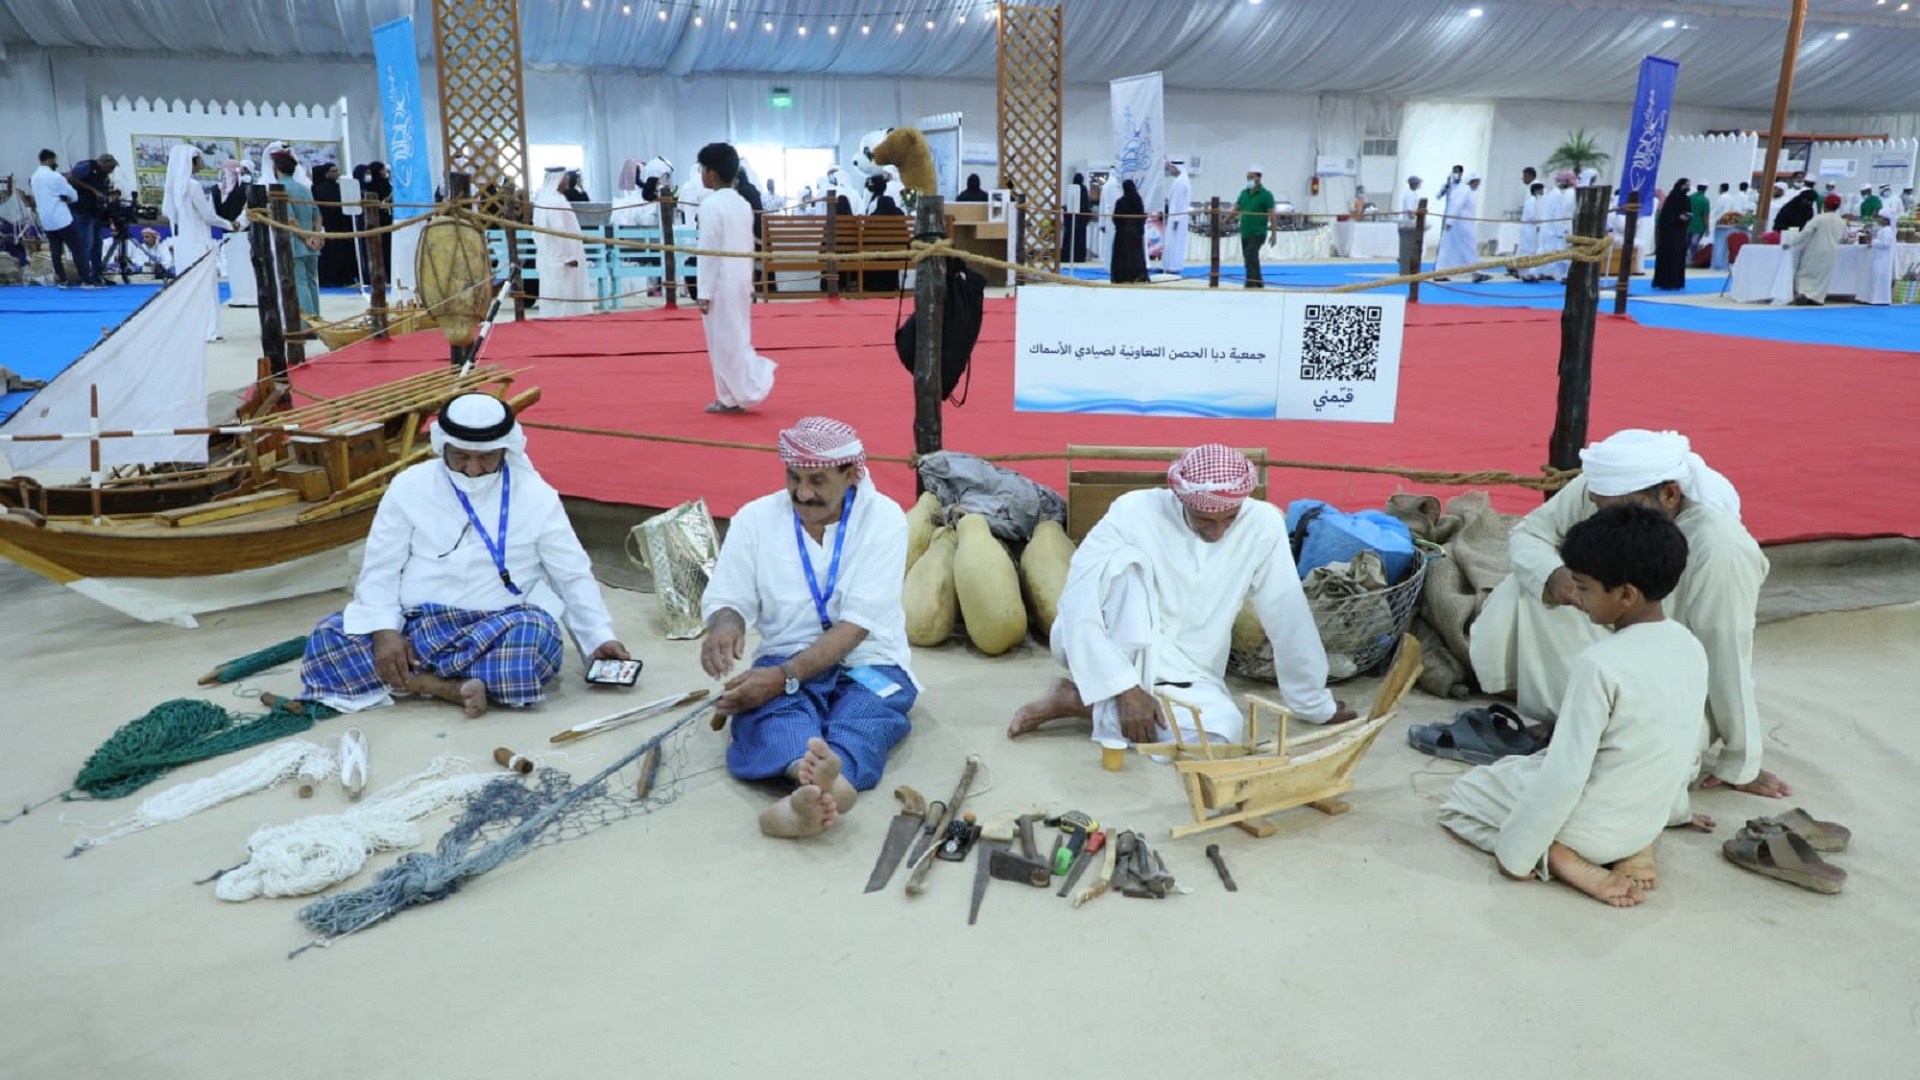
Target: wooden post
{"type": "Point", "coordinates": [929, 304]}
{"type": "Point", "coordinates": [669, 270]}
{"type": "Point", "coordinates": [1419, 248]}
{"type": "Point", "coordinates": [376, 271]}
{"type": "Point", "coordinates": [1777, 133]}
{"type": "Point", "coordinates": [1628, 264]}
{"type": "Point", "coordinates": [273, 337]}
{"type": "Point", "coordinates": [289, 300]}
{"type": "Point", "coordinates": [516, 283]}
{"type": "Point", "coordinates": [1576, 336]}
{"type": "Point", "coordinates": [93, 447]}
{"type": "Point", "coordinates": [832, 243]}
{"type": "Point", "coordinates": [1213, 268]}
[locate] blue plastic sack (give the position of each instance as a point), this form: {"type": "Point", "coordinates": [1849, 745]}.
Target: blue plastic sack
{"type": "Point", "coordinates": [1332, 535]}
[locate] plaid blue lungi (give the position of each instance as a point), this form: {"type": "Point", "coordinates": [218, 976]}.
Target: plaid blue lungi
{"type": "Point", "coordinates": [858, 724]}
{"type": "Point", "coordinates": [516, 651]}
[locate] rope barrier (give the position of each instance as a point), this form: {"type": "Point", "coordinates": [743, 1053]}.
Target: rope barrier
{"type": "Point", "coordinates": [1551, 479]}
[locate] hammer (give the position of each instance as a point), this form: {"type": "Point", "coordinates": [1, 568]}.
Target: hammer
{"type": "Point", "coordinates": [1027, 867]}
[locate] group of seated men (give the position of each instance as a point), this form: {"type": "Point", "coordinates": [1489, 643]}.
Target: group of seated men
{"type": "Point", "coordinates": [1647, 541]}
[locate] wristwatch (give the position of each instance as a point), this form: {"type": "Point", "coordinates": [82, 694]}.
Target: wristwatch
{"type": "Point", "coordinates": [793, 681]}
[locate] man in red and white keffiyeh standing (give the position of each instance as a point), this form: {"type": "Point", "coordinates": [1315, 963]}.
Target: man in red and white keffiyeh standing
{"type": "Point", "coordinates": [1150, 601]}
{"type": "Point", "coordinates": [817, 570]}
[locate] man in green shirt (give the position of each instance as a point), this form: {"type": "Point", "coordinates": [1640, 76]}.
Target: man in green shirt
{"type": "Point", "coordinates": [1870, 205]}
{"type": "Point", "coordinates": [1700, 225]}
{"type": "Point", "coordinates": [1255, 207]}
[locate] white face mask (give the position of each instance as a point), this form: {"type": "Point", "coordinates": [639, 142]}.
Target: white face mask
{"type": "Point", "coordinates": [1251, 184]}
{"type": "Point", "coordinates": [475, 485]}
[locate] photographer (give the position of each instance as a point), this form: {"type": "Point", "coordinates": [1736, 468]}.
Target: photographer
{"type": "Point", "coordinates": [54, 197]}
{"type": "Point", "coordinates": [93, 178]}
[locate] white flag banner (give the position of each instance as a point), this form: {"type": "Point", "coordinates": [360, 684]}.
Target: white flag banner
{"type": "Point", "coordinates": [1139, 139]}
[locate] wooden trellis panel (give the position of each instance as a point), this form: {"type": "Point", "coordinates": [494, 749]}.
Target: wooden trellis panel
{"type": "Point", "coordinates": [483, 111]}
{"type": "Point", "coordinates": [1032, 86]}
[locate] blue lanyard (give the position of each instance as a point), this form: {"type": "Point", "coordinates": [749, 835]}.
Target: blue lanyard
{"type": "Point", "coordinates": [833, 569]}
{"type": "Point", "coordinates": [497, 549]}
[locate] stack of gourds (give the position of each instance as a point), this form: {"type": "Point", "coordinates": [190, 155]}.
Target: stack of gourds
{"type": "Point", "coordinates": [958, 571]}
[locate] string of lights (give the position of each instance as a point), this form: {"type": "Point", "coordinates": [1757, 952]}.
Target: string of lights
{"type": "Point", "coordinates": [747, 16]}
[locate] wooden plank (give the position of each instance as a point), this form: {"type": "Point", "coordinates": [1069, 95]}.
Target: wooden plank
{"type": "Point", "coordinates": [223, 509]}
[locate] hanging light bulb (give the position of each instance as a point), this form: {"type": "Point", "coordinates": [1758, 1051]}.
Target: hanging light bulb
{"type": "Point", "coordinates": [866, 29]}
{"type": "Point", "coordinates": [833, 30]}
{"type": "Point", "coordinates": [769, 26]}
{"type": "Point", "coordinates": [698, 21]}
{"type": "Point", "coordinates": [803, 31]}
{"type": "Point", "coordinates": [898, 27]}
{"type": "Point", "coordinates": [929, 24]}
{"type": "Point", "coordinates": [663, 14]}
{"type": "Point", "coordinates": [962, 20]}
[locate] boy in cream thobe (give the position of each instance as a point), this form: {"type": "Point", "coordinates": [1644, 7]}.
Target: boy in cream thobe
{"type": "Point", "coordinates": [1528, 635]}
{"type": "Point", "coordinates": [1589, 807]}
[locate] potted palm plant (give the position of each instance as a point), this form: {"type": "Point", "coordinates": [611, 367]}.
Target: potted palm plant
{"type": "Point", "coordinates": [1578, 152]}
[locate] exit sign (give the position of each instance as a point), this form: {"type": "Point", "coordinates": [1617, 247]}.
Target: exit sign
{"type": "Point", "coordinates": [782, 98]}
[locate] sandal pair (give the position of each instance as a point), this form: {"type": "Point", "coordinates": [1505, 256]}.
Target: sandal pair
{"type": "Point", "coordinates": [1478, 736]}
{"type": "Point", "coordinates": [1786, 848]}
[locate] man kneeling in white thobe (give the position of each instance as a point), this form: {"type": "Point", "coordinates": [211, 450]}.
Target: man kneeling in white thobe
{"type": "Point", "coordinates": [1588, 808]}
{"type": "Point", "coordinates": [1530, 632]}
{"type": "Point", "coordinates": [1149, 605]}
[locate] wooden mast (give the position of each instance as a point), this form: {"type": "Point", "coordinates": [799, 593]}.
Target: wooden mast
{"type": "Point", "coordinates": [1776, 135]}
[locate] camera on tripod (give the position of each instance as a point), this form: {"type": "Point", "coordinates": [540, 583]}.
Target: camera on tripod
{"type": "Point", "coordinates": [120, 213]}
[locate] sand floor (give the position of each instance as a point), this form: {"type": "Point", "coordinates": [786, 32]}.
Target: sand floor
{"type": "Point", "coordinates": [683, 944]}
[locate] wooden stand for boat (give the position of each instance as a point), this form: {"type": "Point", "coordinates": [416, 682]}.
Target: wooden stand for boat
{"type": "Point", "coordinates": [1241, 783]}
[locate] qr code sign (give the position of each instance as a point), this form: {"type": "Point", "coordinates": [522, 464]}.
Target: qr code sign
{"type": "Point", "coordinates": [1341, 343]}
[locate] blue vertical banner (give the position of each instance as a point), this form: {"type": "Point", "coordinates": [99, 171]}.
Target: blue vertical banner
{"type": "Point", "coordinates": [1652, 109]}
{"type": "Point", "coordinates": [397, 62]}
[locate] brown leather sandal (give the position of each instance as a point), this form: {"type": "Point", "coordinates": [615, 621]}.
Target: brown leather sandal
{"type": "Point", "coordinates": [1770, 849]}
{"type": "Point", "coordinates": [1819, 835]}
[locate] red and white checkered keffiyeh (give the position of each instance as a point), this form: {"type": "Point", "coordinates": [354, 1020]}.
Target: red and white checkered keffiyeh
{"type": "Point", "coordinates": [1211, 479]}
{"type": "Point", "coordinates": [816, 442]}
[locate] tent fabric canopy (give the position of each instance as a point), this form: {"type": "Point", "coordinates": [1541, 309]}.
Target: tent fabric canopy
{"type": "Point", "coordinates": [1584, 50]}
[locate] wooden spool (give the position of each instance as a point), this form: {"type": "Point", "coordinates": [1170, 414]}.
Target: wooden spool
{"type": "Point", "coordinates": [455, 277]}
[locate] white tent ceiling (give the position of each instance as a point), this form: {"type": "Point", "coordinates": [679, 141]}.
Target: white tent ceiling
{"type": "Point", "coordinates": [1560, 50]}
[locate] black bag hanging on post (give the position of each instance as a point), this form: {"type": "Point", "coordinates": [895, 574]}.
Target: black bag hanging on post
{"type": "Point", "coordinates": [966, 306]}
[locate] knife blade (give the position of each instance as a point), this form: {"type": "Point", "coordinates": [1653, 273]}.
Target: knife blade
{"type": "Point", "coordinates": [900, 832]}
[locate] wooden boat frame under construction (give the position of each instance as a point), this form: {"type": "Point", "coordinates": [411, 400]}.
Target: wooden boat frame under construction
{"type": "Point", "coordinates": [312, 477]}
{"type": "Point", "coordinates": [1241, 783]}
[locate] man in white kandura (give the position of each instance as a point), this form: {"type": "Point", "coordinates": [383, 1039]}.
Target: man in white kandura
{"type": "Point", "coordinates": [1103, 225]}
{"type": "Point", "coordinates": [1530, 221]}
{"type": "Point", "coordinates": [1173, 248]}
{"type": "Point", "coordinates": [443, 603]}
{"type": "Point", "coordinates": [1150, 601]}
{"type": "Point", "coordinates": [1556, 225]}
{"type": "Point", "coordinates": [1460, 237]}
{"type": "Point", "coordinates": [561, 260]}
{"type": "Point", "coordinates": [1531, 629]}
{"type": "Point", "coordinates": [1818, 245]}
{"type": "Point", "coordinates": [190, 217]}
{"type": "Point", "coordinates": [742, 378]}
{"type": "Point", "coordinates": [816, 568]}
{"type": "Point", "coordinates": [1880, 288]}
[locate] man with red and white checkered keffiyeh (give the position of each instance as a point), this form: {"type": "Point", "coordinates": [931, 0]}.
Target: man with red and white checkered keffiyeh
{"type": "Point", "coordinates": [1149, 607]}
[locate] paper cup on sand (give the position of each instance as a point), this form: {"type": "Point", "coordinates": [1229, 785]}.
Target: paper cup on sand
{"type": "Point", "coordinates": [1113, 754]}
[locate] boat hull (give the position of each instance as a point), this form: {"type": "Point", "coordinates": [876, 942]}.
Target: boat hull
{"type": "Point", "coordinates": [68, 550]}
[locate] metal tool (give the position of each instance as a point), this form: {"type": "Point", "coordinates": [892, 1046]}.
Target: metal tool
{"type": "Point", "coordinates": [1080, 863]}
{"type": "Point", "coordinates": [1076, 827]}
{"type": "Point", "coordinates": [936, 812]}
{"type": "Point", "coordinates": [1106, 872]}
{"type": "Point", "coordinates": [628, 716]}
{"type": "Point", "coordinates": [958, 842]}
{"type": "Point", "coordinates": [900, 832]}
{"type": "Point", "coordinates": [917, 882]}
{"type": "Point", "coordinates": [982, 874]}
{"type": "Point", "coordinates": [1220, 864]}
{"type": "Point", "coordinates": [1028, 867]}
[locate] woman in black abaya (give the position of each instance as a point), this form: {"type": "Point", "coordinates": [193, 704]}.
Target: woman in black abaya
{"type": "Point", "coordinates": [1129, 237]}
{"type": "Point", "coordinates": [1670, 238]}
{"type": "Point", "coordinates": [338, 260]}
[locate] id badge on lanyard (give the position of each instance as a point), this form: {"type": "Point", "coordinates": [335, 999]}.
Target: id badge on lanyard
{"type": "Point", "coordinates": [833, 568]}
{"type": "Point", "coordinates": [496, 546]}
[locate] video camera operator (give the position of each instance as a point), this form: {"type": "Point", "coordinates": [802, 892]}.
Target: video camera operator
{"type": "Point", "coordinates": [93, 179]}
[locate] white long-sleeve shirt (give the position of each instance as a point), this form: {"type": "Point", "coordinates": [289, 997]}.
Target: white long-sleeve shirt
{"type": "Point", "coordinates": [1198, 588]}
{"type": "Point", "coordinates": [760, 577]}
{"type": "Point", "coordinates": [423, 550]}
{"type": "Point", "coordinates": [53, 197]}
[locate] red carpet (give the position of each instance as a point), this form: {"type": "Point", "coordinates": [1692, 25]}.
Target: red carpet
{"type": "Point", "coordinates": [1816, 438]}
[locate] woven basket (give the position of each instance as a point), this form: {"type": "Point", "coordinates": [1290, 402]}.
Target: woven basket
{"type": "Point", "coordinates": [1360, 633]}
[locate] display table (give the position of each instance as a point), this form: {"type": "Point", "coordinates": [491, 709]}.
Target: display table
{"type": "Point", "coordinates": [1721, 234]}
{"type": "Point", "coordinates": [1366, 239]}
{"type": "Point", "coordinates": [1764, 273]}
{"type": "Point", "coordinates": [1289, 245]}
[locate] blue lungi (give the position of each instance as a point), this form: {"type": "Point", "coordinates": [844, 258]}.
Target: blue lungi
{"type": "Point", "coordinates": [858, 724]}
{"type": "Point", "coordinates": [516, 651]}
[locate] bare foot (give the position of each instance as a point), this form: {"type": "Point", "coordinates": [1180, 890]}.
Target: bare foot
{"type": "Point", "coordinates": [820, 766]}
{"type": "Point", "coordinates": [1604, 885]}
{"type": "Point", "coordinates": [807, 812]}
{"type": "Point", "coordinates": [1640, 869]}
{"type": "Point", "coordinates": [1765, 785]}
{"type": "Point", "coordinates": [1061, 700]}
{"type": "Point", "coordinates": [469, 694]}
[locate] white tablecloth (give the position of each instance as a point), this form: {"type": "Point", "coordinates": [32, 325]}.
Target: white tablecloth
{"type": "Point", "coordinates": [1507, 241]}
{"type": "Point", "coordinates": [1764, 272]}
{"type": "Point", "coordinates": [1288, 245]}
{"type": "Point", "coordinates": [1366, 239]}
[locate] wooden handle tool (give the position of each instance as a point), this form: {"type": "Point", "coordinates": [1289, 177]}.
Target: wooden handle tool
{"type": "Point", "coordinates": [1106, 872]}
{"type": "Point", "coordinates": [917, 883]}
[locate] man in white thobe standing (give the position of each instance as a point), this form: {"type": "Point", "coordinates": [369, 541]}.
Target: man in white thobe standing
{"type": "Point", "coordinates": [1556, 225]}
{"type": "Point", "coordinates": [1149, 605]}
{"type": "Point", "coordinates": [742, 378]}
{"type": "Point", "coordinates": [1880, 288]}
{"type": "Point", "coordinates": [1173, 249]}
{"type": "Point", "coordinates": [190, 216]}
{"type": "Point", "coordinates": [1530, 221]}
{"type": "Point", "coordinates": [560, 260]}
{"type": "Point", "coordinates": [1459, 238]}
{"type": "Point", "coordinates": [1818, 246]}
{"type": "Point", "coordinates": [1527, 636]}
{"type": "Point", "coordinates": [1103, 226]}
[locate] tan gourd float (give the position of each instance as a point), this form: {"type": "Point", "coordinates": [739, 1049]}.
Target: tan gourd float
{"type": "Point", "coordinates": [455, 277]}
{"type": "Point", "coordinates": [988, 588]}
{"type": "Point", "coordinates": [928, 595]}
{"type": "Point", "coordinates": [920, 527]}
{"type": "Point", "coordinates": [1043, 571]}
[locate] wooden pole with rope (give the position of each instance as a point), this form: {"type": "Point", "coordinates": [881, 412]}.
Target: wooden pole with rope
{"type": "Point", "coordinates": [260, 245]}
{"type": "Point", "coordinates": [1419, 250]}
{"type": "Point", "coordinates": [1577, 321]}
{"type": "Point", "coordinates": [669, 272]}
{"type": "Point", "coordinates": [1213, 220]}
{"type": "Point", "coordinates": [1777, 132]}
{"type": "Point", "coordinates": [1628, 264]}
{"type": "Point", "coordinates": [929, 313]}
{"type": "Point", "coordinates": [376, 273]}
{"type": "Point", "coordinates": [289, 298]}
